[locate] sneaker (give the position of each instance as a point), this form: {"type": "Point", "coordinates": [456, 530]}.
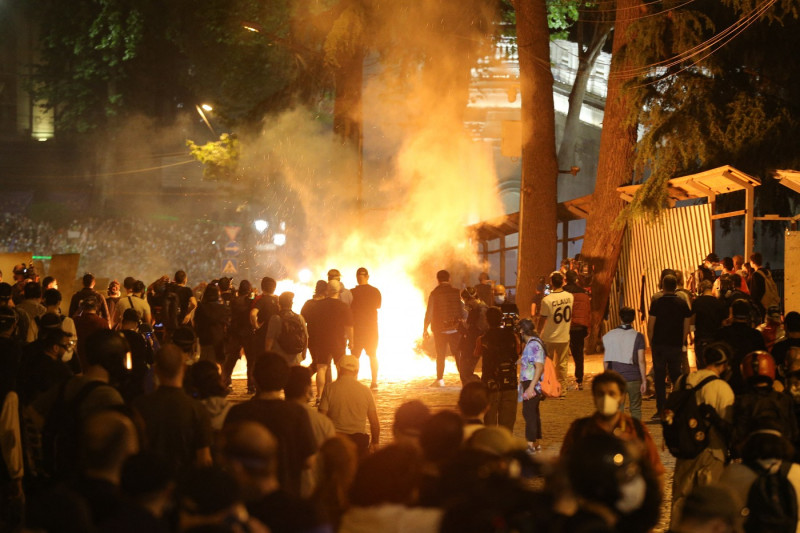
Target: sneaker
{"type": "Point", "coordinates": [580, 386]}
{"type": "Point", "coordinates": [437, 383]}
{"type": "Point", "coordinates": [533, 450]}
{"type": "Point", "coordinates": [373, 386]}
{"type": "Point", "coordinates": [656, 417]}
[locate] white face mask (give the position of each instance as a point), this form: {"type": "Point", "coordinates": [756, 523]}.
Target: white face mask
{"type": "Point", "coordinates": [607, 405]}
{"type": "Point", "coordinates": [631, 495]}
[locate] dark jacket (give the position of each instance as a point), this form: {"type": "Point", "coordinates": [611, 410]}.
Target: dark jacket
{"type": "Point", "coordinates": [445, 310]}
{"type": "Point", "coordinates": [211, 321]}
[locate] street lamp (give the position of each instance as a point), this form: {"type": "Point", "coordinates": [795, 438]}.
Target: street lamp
{"type": "Point", "coordinates": [200, 108]}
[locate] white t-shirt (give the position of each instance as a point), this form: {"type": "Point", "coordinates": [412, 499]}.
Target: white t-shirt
{"type": "Point", "coordinates": [557, 308]}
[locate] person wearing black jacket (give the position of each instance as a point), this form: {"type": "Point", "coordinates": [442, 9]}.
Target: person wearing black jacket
{"type": "Point", "coordinates": [500, 350]}
{"type": "Point", "coordinates": [240, 334]}
{"type": "Point", "coordinates": [211, 321]}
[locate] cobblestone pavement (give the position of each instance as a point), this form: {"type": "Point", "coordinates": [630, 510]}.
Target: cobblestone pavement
{"type": "Point", "coordinates": [557, 415]}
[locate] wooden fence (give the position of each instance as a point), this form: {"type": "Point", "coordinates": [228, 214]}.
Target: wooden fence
{"type": "Point", "coordinates": [680, 240]}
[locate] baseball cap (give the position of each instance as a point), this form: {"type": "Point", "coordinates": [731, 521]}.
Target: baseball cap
{"type": "Point", "coordinates": [774, 312]}
{"type": "Point", "coordinates": [712, 258]}
{"type": "Point", "coordinates": [496, 440]}
{"type": "Point", "coordinates": [348, 362]}
{"type": "Point", "coordinates": [333, 273]}
{"type": "Point", "coordinates": [362, 271]}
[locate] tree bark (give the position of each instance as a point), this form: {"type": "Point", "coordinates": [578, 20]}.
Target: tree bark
{"type": "Point", "coordinates": [538, 194]}
{"type": "Point", "coordinates": [587, 57]}
{"type": "Point", "coordinates": [602, 242]}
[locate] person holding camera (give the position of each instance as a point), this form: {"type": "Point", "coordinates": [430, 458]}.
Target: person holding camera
{"type": "Point", "coordinates": [499, 348]}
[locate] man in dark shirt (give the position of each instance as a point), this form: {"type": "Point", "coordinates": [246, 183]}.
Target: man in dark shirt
{"type": "Point", "coordinates": [330, 327]}
{"type": "Point", "coordinates": [366, 302]}
{"type": "Point", "coordinates": [709, 312]}
{"type": "Point", "coordinates": [444, 315]}
{"type": "Point", "coordinates": [250, 452]}
{"type": "Point", "coordinates": [41, 367]}
{"type": "Point", "coordinates": [186, 299]}
{"type": "Point", "coordinates": [86, 292]}
{"type": "Point", "coordinates": [742, 338]}
{"type": "Point", "coordinates": [176, 425]}
{"type": "Point", "coordinates": [86, 323]}
{"type": "Point", "coordinates": [579, 325]}
{"type": "Point", "coordinates": [667, 329]}
{"type": "Point", "coordinates": [781, 349]}
{"type": "Point", "coordinates": [264, 307]}
{"type": "Point", "coordinates": [287, 421]}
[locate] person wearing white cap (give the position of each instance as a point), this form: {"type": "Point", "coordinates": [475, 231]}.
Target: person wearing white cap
{"type": "Point", "coordinates": [349, 404]}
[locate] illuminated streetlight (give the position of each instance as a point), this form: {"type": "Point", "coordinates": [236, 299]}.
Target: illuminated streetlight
{"type": "Point", "coordinates": [261, 225]}
{"type": "Point", "coordinates": [279, 239]}
{"type": "Point", "coordinates": [206, 107]}
{"type": "Point", "coordinates": [252, 26]}
{"type": "Point", "coordinates": [203, 116]}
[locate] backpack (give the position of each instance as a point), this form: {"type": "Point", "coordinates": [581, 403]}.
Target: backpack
{"type": "Point", "coordinates": [62, 432]}
{"type": "Point", "coordinates": [771, 502]}
{"type": "Point", "coordinates": [292, 337]}
{"type": "Point", "coordinates": [499, 359]}
{"type": "Point", "coordinates": [551, 387]}
{"type": "Point", "coordinates": [686, 423]}
{"type": "Point", "coordinates": [771, 296]}
{"type": "Point", "coordinates": [165, 311]}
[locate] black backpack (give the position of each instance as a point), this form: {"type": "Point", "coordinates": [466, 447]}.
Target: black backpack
{"type": "Point", "coordinates": [685, 422]}
{"type": "Point", "coordinates": [499, 359]}
{"type": "Point", "coordinates": [166, 311]}
{"type": "Point", "coordinates": [292, 338]}
{"type": "Point", "coordinates": [771, 502]}
{"type": "Point", "coordinates": [62, 432]}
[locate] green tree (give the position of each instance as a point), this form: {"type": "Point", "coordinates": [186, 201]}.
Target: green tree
{"type": "Point", "coordinates": [732, 101]}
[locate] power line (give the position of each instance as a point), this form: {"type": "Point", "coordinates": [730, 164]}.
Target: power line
{"type": "Point", "coordinates": [718, 40]}
{"type": "Point", "coordinates": [119, 173]}
{"type": "Point", "coordinates": [736, 33]}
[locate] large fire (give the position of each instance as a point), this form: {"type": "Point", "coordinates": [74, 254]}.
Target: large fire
{"type": "Point", "coordinates": [400, 322]}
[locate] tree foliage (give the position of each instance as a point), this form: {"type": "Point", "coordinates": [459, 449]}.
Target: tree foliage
{"type": "Point", "coordinates": [220, 158]}
{"type": "Point", "coordinates": [86, 48]}
{"type": "Point", "coordinates": [736, 105]}
{"type": "Point", "coordinates": [105, 58]}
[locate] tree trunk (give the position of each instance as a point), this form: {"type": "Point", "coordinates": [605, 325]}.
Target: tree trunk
{"type": "Point", "coordinates": [587, 57]}
{"type": "Point", "coordinates": [603, 239]}
{"type": "Point", "coordinates": [538, 194]}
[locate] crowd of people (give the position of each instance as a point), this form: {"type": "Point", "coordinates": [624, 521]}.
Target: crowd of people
{"type": "Point", "coordinates": [112, 244]}
{"type": "Point", "coordinates": [114, 417]}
